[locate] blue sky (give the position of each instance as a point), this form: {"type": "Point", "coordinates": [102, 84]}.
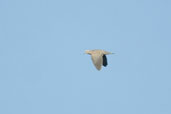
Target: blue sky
{"type": "Point", "coordinates": [43, 68]}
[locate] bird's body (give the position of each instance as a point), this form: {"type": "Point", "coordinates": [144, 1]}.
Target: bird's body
{"type": "Point", "coordinates": [98, 57]}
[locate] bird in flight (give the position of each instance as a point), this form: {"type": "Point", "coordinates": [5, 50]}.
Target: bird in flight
{"type": "Point", "coordinates": [98, 57]}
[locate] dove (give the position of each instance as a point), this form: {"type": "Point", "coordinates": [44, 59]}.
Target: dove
{"type": "Point", "coordinates": [98, 57]}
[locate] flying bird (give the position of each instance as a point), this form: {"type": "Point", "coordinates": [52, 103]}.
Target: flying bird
{"type": "Point", "coordinates": [98, 57]}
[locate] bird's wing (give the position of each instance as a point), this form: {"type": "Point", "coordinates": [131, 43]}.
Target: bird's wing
{"type": "Point", "coordinates": [97, 60]}
{"type": "Point", "coordinates": [106, 52]}
{"type": "Point", "coordinates": [104, 60]}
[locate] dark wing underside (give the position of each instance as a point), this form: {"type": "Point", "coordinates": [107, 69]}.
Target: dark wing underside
{"type": "Point", "coordinates": [104, 60]}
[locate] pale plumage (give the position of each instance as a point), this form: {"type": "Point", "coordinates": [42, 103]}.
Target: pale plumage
{"type": "Point", "coordinates": [98, 57]}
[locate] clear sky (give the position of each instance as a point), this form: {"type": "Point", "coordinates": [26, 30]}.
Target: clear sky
{"type": "Point", "coordinates": [43, 68]}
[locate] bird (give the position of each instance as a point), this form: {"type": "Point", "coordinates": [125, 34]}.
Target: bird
{"type": "Point", "coordinates": [98, 57]}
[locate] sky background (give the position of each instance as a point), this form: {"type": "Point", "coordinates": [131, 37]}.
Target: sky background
{"type": "Point", "coordinates": [43, 68]}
